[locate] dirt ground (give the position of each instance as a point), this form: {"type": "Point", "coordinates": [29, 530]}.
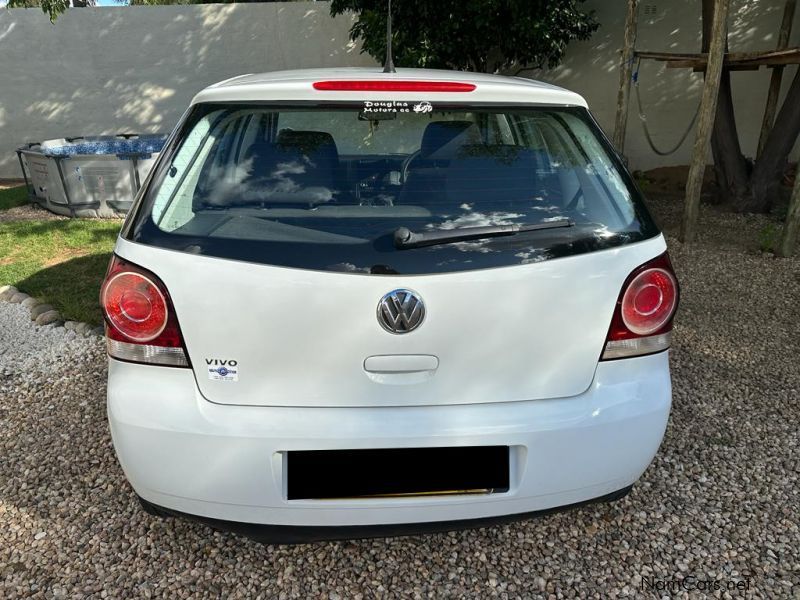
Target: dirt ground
{"type": "Point", "coordinates": [9, 183]}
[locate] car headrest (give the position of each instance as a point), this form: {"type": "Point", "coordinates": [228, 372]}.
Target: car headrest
{"type": "Point", "coordinates": [508, 172]}
{"type": "Point", "coordinates": [439, 134]}
{"type": "Point", "coordinates": [307, 142]}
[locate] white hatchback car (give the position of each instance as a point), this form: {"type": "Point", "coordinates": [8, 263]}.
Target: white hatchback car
{"type": "Point", "coordinates": [353, 303]}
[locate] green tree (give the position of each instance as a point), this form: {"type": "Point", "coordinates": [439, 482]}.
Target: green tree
{"type": "Point", "coordinates": [481, 35]}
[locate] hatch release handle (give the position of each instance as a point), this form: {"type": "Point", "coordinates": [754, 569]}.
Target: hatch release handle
{"type": "Point", "coordinates": [401, 363]}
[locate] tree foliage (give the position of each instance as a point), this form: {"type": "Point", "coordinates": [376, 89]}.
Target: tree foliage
{"type": "Point", "coordinates": [481, 35]}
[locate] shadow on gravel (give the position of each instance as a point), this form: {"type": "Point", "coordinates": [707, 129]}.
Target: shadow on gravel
{"type": "Point", "coordinates": [71, 286]}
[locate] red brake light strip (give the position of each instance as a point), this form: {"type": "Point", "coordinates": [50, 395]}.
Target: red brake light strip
{"type": "Point", "coordinates": [391, 85]}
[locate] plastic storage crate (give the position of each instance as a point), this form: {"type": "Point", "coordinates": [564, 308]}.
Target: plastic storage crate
{"type": "Point", "coordinates": [88, 176]}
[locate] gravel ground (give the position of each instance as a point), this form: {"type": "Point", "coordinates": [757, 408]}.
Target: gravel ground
{"type": "Point", "coordinates": [720, 502]}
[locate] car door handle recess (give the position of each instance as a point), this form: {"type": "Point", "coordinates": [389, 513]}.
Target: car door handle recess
{"type": "Point", "coordinates": [401, 363]}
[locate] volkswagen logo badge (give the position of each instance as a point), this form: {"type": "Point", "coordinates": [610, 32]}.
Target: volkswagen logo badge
{"type": "Point", "coordinates": [401, 311]}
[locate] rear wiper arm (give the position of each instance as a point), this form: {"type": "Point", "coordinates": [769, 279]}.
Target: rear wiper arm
{"type": "Point", "coordinates": [405, 238]}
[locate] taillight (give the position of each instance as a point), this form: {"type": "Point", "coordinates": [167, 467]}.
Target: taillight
{"type": "Point", "coordinates": [642, 321]}
{"type": "Point", "coordinates": [141, 325]}
{"type": "Point", "coordinates": [392, 85]}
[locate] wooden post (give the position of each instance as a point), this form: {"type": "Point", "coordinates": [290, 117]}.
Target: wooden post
{"type": "Point", "coordinates": [777, 76]}
{"type": "Point", "coordinates": [791, 228]}
{"type": "Point", "coordinates": [625, 69]}
{"type": "Point", "coordinates": [708, 108]}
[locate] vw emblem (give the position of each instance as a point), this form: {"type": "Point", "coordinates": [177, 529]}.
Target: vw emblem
{"type": "Point", "coordinates": [401, 311]}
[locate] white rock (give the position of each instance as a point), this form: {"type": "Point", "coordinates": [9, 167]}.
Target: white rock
{"type": "Point", "coordinates": [46, 318]}
{"type": "Point", "coordinates": [31, 302]}
{"type": "Point", "coordinates": [39, 309]}
{"type": "Point", "coordinates": [7, 291]}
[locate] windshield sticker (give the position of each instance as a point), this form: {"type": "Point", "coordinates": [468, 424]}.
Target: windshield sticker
{"type": "Point", "coordinates": [222, 370]}
{"type": "Point", "coordinates": [396, 106]}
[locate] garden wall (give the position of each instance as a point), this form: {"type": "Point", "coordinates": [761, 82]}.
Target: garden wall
{"type": "Point", "coordinates": [117, 69]}
{"type": "Point", "coordinates": [136, 68]}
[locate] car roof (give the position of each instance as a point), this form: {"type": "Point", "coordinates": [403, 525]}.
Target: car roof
{"type": "Point", "coordinates": [297, 85]}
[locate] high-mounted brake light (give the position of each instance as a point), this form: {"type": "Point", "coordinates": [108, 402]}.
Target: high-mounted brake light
{"type": "Point", "coordinates": [140, 321]}
{"type": "Point", "coordinates": [392, 85]}
{"type": "Point", "coordinates": [642, 321]}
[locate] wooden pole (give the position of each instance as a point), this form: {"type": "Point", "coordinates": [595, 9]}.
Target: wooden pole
{"type": "Point", "coordinates": [625, 69]}
{"type": "Point", "coordinates": [777, 76]}
{"type": "Point", "coordinates": [708, 107]}
{"type": "Point", "coordinates": [791, 228]}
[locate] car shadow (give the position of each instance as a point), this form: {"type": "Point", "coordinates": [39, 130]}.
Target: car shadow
{"type": "Point", "coordinates": [72, 286]}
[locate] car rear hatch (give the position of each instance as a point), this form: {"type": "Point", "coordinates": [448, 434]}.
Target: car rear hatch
{"type": "Point", "coordinates": [274, 230]}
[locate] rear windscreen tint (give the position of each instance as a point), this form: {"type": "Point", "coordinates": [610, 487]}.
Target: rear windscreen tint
{"type": "Point", "coordinates": [325, 188]}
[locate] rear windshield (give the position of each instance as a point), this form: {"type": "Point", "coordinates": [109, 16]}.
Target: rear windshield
{"type": "Point", "coordinates": [327, 187]}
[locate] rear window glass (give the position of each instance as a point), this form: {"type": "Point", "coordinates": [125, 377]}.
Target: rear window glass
{"type": "Point", "coordinates": [327, 188]}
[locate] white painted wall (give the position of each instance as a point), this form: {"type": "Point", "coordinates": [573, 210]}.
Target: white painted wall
{"type": "Point", "coordinates": [107, 70]}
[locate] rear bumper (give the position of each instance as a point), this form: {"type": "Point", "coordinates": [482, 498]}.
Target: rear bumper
{"type": "Point", "coordinates": [294, 534]}
{"type": "Point", "coordinates": [227, 463]}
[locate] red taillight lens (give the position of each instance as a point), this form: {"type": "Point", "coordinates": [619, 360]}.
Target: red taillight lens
{"type": "Point", "coordinates": [390, 85]}
{"type": "Point", "coordinates": [642, 319]}
{"type": "Point", "coordinates": [135, 306]}
{"type": "Point", "coordinates": [141, 325]}
{"type": "Point", "coordinates": [649, 302]}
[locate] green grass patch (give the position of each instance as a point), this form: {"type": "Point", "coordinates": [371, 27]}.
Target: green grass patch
{"type": "Point", "coordinates": [11, 197]}
{"type": "Point", "coordinates": [61, 261]}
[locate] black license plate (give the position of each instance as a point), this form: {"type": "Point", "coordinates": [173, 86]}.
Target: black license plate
{"type": "Point", "coordinates": [326, 474]}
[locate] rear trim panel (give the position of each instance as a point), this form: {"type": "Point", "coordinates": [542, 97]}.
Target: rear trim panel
{"type": "Point", "coordinates": [299, 534]}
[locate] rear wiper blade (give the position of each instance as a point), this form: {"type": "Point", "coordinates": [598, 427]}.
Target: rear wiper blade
{"type": "Point", "coordinates": [405, 238]}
